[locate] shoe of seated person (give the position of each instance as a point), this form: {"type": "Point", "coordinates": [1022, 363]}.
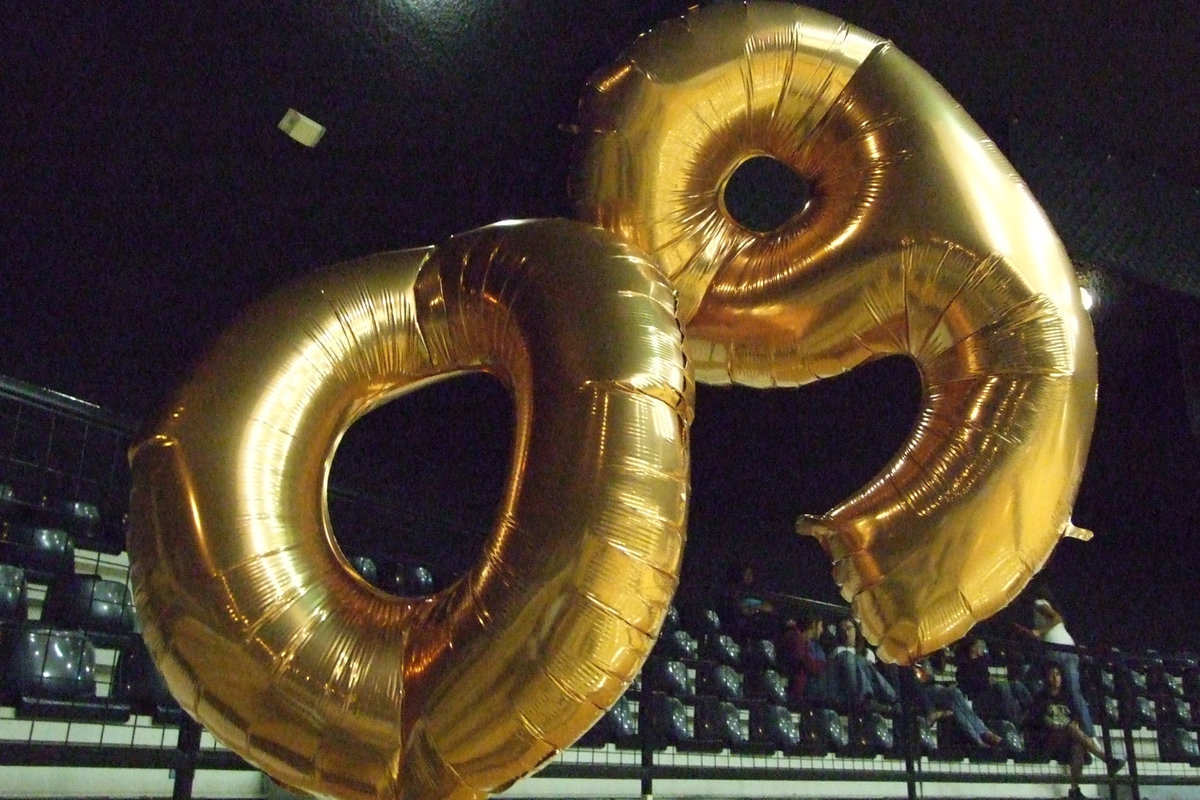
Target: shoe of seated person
{"type": "Point", "coordinates": [1115, 765]}
{"type": "Point", "coordinates": [1075, 794]}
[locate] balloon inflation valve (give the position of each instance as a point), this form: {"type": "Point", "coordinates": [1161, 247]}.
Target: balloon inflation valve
{"type": "Point", "coordinates": [1072, 532]}
{"type": "Point", "coordinates": [305, 130]}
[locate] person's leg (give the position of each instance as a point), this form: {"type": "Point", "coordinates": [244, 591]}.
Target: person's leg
{"type": "Point", "coordinates": [1076, 768]}
{"type": "Point", "coordinates": [968, 720]}
{"type": "Point", "coordinates": [1070, 669]}
{"type": "Point", "coordinates": [881, 689]}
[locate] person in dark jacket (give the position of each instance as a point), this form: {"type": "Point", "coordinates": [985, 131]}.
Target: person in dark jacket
{"type": "Point", "coordinates": [1055, 730]}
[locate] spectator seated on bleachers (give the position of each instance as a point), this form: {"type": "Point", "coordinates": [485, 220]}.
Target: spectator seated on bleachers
{"type": "Point", "coordinates": [1055, 728]}
{"type": "Point", "coordinates": [802, 660]}
{"type": "Point", "coordinates": [853, 682]}
{"type": "Point", "coordinates": [936, 700]}
{"type": "Point", "coordinates": [746, 613]}
{"type": "Point", "coordinates": [991, 696]}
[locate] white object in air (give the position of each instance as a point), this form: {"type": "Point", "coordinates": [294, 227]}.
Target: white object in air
{"type": "Point", "coordinates": [304, 130]}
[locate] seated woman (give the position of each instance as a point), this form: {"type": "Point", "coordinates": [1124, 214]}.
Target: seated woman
{"type": "Point", "coordinates": [1054, 728]}
{"type": "Point", "coordinates": [803, 660]}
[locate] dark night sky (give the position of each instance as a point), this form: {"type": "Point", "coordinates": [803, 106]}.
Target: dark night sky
{"type": "Point", "coordinates": [147, 196]}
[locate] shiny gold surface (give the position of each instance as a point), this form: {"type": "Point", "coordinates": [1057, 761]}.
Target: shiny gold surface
{"type": "Point", "coordinates": [919, 239]}
{"type": "Point", "coordinates": [254, 616]}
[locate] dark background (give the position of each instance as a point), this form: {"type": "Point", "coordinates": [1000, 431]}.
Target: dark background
{"type": "Point", "coordinates": [146, 195]}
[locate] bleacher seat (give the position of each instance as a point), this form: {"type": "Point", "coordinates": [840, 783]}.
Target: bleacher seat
{"type": "Point", "coordinates": [767, 684]}
{"type": "Point", "coordinates": [670, 620]}
{"type": "Point", "coordinates": [701, 621]}
{"type": "Point", "coordinates": [14, 594]}
{"type": "Point", "coordinates": [759, 654]}
{"type": "Point", "coordinates": [102, 608]}
{"type": "Point", "coordinates": [80, 518]}
{"type": "Point", "coordinates": [670, 676]}
{"type": "Point", "coordinates": [775, 728]}
{"type": "Point", "coordinates": [366, 567]}
{"type": "Point", "coordinates": [719, 680]}
{"type": "Point", "coordinates": [716, 725]}
{"type": "Point", "coordinates": [1174, 711]}
{"type": "Point", "coordinates": [722, 648]}
{"type": "Point", "coordinates": [418, 580]}
{"type": "Point", "coordinates": [51, 674]}
{"type": "Point", "coordinates": [678, 644]}
{"type": "Point", "coordinates": [45, 553]}
{"type": "Point", "coordinates": [8, 499]}
{"type": "Point", "coordinates": [137, 682]}
{"type": "Point", "coordinates": [668, 720]}
{"type": "Point", "coordinates": [617, 726]}
{"type": "Point", "coordinates": [1140, 712]}
{"type": "Point", "coordinates": [1178, 745]}
{"type": "Point", "coordinates": [870, 734]}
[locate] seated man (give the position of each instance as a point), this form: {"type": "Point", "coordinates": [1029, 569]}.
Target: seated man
{"type": "Point", "coordinates": [855, 683]}
{"type": "Point", "coordinates": [990, 696]}
{"type": "Point", "coordinates": [937, 700]}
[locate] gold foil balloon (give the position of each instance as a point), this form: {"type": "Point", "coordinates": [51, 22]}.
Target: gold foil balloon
{"type": "Point", "coordinates": [919, 239]}
{"type": "Point", "coordinates": [259, 625]}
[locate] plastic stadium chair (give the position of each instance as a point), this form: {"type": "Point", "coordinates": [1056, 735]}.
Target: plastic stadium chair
{"type": "Point", "coordinates": [366, 567]}
{"type": "Point", "coordinates": [80, 518]}
{"type": "Point", "coordinates": [700, 621]}
{"type": "Point", "coordinates": [670, 621]}
{"type": "Point", "coordinates": [102, 608]}
{"type": "Point", "coordinates": [1141, 712]}
{"type": "Point", "coordinates": [760, 654]}
{"type": "Point", "coordinates": [677, 644]}
{"type": "Point", "coordinates": [618, 726]}
{"type": "Point", "coordinates": [767, 684]}
{"type": "Point", "coordinates": [717, 725]}
{"type": "Point", "coordinates": [722, 648]}
{"type": "Point", "coordinates": [8, 499]}
{"type": "Point", "coordinates": [670, 676]}
{"type": "Point", "coordinates": [51, 674]}
{"type": "Point", "coordinates": [137, 682]}
{"type": "Point", "coordinates": [719, 680]}
{"type": "Point", "coordinates": [418, 580]}
{"type": "Point", "coordinates": [668, 721]}
{"type": "Point", "coordinates": [775, 728]}
{"type": "Point", "coordinates": [870, 735]}
{"type": "Point", "coordinates": [1178, 745]}
{"type": "Point", "coordinates": [14, 594]}
{"type": "Point", "coordinates": [45, 553]}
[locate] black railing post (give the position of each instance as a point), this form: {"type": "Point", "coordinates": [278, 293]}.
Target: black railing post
{"type": "Point", "coordinates": [188, 748]}
{"type": "Point", "coordinates": [645, 739]}
{"type": "Point", "coordinates": [1126, 705]}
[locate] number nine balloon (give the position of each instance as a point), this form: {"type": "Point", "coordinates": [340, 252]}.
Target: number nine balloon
{"type": "Point", "coordinates": [918, 240]}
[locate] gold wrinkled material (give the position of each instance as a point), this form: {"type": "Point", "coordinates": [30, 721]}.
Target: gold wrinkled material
{"type": "Point", "coordinates": [919, 240]}
{"type": "Point", "coordinates": [258, 623]}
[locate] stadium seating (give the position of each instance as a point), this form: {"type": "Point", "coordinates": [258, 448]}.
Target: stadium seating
{"type": "Point", "coordinates": [102, 608]}
{"type": "Point", "coordinates": [45, 553]}
{"type": "Point", "coordinates": [51, 674]}
{"type": "Point", "coordinates": [138, 683]}
{"type": "Point", "coordinates": [14, 594]}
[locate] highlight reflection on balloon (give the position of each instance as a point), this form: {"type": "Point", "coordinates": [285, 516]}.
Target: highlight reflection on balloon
{"type": "Point", "coordinates": [919, 240]}
{"type": "Point", "coordinates": [260, 626]}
